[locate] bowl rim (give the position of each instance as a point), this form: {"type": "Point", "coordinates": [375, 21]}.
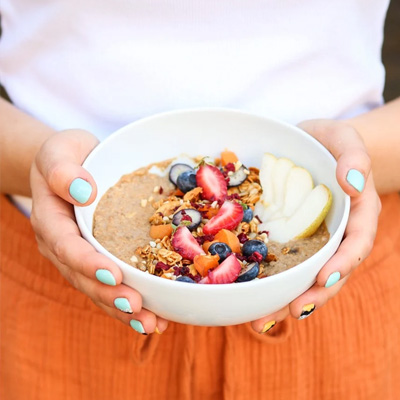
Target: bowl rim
{"type": "Point", "coordinates": [209, 287]}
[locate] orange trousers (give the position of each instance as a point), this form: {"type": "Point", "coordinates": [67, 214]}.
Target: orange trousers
{"type": "Point", "coordinates": [56, 345]}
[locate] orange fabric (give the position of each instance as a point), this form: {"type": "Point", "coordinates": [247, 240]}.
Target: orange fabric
{"type": "Point", "coordinates": [55, 344]}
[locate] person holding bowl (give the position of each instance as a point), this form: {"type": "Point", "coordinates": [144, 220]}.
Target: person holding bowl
{"type": "Point", "coordinates": [98, 68]}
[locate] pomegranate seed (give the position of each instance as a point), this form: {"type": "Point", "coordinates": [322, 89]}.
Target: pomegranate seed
{"type": "Point", "coordinates": [241, 257]}
{"type": "Point", "coordinates": [243, 238]}
{"type": "Point", "coordinates": [205, 238]}
{"type": "Point", "coordinates": [234, 196]}
{"type": "Point", "coordinates": [256, 257]}
{"type": "Point", "coordinates": [230, 167]}
{"type": "Point", "coordinates": [160, 266]}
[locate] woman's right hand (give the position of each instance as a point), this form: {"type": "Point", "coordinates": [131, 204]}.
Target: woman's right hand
{"type": "Point", "coordinates": [58, 182]}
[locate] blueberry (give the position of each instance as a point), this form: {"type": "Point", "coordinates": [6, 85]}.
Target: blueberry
{"type": "Point", "coordinates": [238, 177]}
{"type": "Point", "coordinates": [176, 170]}
{"type": "Point", "coordinates": [247, 215]}
{"type": "Point", "coordinates": [185, 279]}
{"type": "Point", "coordinates": [252, 246]}
{"type": "Point", "coordinates": [222, 249]}
{"type": "Point", "coordinates": [188, 217]}
{"type": "Point", "coordinates": [187, 181]}
{"type": "Point", "coordinates": [249, 273]}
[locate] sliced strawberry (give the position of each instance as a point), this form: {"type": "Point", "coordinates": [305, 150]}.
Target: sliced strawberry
{"type": "Point", "coordinates": [229, 217]}
{"type": "Point", "coordinates": [226, 272]}
{"type": "Point", "coordinates": [213, 183]}
{"type": "Point", "coordinates": [185, 244]}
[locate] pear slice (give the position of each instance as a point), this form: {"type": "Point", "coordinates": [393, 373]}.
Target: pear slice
{"type": "Point", "coordinates": [266, 178]}
{"type": "Point", "coordinates": [299, 184]}
{"type": "Point", "coordinates": [282, 168]}
{"type": "Point", "coordinates": [304, 221]}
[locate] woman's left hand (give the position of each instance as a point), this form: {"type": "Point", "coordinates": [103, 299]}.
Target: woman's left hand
{"type": "Point", "coordinates": [354, 175]}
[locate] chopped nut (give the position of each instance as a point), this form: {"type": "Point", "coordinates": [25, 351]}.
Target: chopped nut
{"type": "Point", "coordinates": [271, 257]}
{"type": "Point", "coordinates": [238, 164]}
{"type": "Point", "coordinates": [143, 202]}
{"type": "Point", "coordinates": [134, 259]}
{"type": "Point", "coordinates": [150, 199]}
{"type": "Point", "coordinates": [153, 244]}
{"type": "Point", "coordinates": [156, 189]}
{"type": "Point", "coordinates": [142, 267]}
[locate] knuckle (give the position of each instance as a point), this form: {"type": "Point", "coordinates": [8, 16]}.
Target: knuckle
{"type": "Point", "coordinates": [55, 174]}
{"type": "Point", "coordinates": [60, 249]}
{"type": "Point", "coordinates": [72, 278]}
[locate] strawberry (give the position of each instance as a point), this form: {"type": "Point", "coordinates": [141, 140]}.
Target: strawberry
{"type": "Point", "coordinates": [229, 217]}
{"type": "Point", "coordinates": [226, 272]}
{"type": "Point", "coordinates": [185, 244]}
{"type": "Point", "coordinates": [213, 183]}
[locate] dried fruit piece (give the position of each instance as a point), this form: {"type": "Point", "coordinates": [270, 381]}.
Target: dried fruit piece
{"type": "Point", "coordinates": [160, 231]}
{"type": "Point", "coordinates": [228, 157]}
{"type": "Point", "coordinates": [229, 238]}
{"type": "Point", "coordinates": [205, 263]}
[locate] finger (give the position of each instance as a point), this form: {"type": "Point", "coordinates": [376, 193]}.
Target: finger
{"type": "Point", "coordinates": [347, 146]}
{"type": "Point", "coordinates": [162, 325]}
{"type": "Point", "coordinates": [65, 242]}
{"type": "Point", "coordinates": [59, 161]}
{"type": "Point", "coordinates": [264, 324]}
{"type": "Point", "coordinates": [358, 239]}
{"type": "Point", "coordinates": [144, 322]}
{"type": "Point", "coordinates": [314, 298]}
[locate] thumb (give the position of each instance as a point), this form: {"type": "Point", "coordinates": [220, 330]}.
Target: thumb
{"type": "Point", "coordinates": [59, 161]}
{"type": "Point", "coordinates": [347, 146]}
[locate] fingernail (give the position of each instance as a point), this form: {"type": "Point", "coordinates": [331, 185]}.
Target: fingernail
{"type": "Point", "coordinates": [106, 277]}
{"type": "Point", "coordinates": [307, 310]}
{"type": "Point", "coordinates": [333, 278]}
{"type": "Point", "coordinates": [123, 305]}
{"type": "Point", "coordinates": [269, 325]}
{"type": "Point", "coordinates": [157, 331]}
{"type": "Point", "coordinates": [356, 179]}
{"type": "Point", "coordinates": [137, 326]}
{"type": "Point", "coordinates": [80, 190]}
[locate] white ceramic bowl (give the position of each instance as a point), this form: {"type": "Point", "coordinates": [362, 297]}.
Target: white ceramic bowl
{"type": "Point", "coordinates": [208, 132]}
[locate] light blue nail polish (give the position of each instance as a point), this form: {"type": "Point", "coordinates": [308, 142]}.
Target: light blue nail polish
{"type": "Point", "coordinates": [80, 190]}
{"type": "Point", "coordinates": [123, 305]}
{"type": "Point", "coordinates": [333, 278]}
{"type": "Point", "coordinates": [106, 277]}
{"type": "Point", "coordinates": [356, 179]}
{"type": "Point", "coordinates": [137, 326]}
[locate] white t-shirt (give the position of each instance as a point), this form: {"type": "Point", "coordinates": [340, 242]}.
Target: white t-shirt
{"type": "Point", "coordinates": [100, 64]}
